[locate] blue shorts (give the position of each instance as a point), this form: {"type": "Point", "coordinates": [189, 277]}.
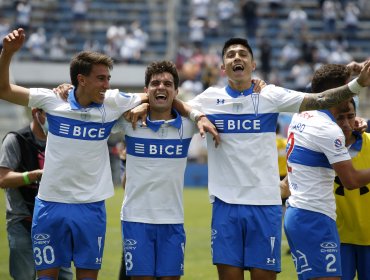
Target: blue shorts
{"type": "Point", "coordinates": [62, 232]}
{"type": "Point", "coordinates": [314, 243]}
{"type": "Point", "coordinates": [153, 250]}
{"type": "Point", "coordinates": [246, 236]}
{"type": "Point", "coordinates": [355, 258]}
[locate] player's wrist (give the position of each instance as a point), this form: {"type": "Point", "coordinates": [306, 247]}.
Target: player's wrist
{"type": "Point", "coordinates": [26, 178]}
{"type": "Point", "coordinates": [354, 86]}
{"type": "Point", "coordinates": [196, 115]}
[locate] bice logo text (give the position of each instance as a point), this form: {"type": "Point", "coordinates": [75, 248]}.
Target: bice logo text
{"type": "Point", "coordinates": [82, 132]}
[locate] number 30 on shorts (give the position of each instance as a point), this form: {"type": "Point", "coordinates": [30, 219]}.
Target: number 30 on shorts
{"type": "Point", "coordinates": [44, 255]}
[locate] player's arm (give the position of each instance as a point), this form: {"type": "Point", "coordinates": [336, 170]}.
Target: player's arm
{"type": "Point", "coordinates": [333, 97]}
{"type": "Point", "coordinates": [350, 177]}
{"type": "Point", "coordinates": [203, 123]}
{"type": "Point", "coordinates": [12, 179]}
{"type": "Point", "coordinates": [12, 93]}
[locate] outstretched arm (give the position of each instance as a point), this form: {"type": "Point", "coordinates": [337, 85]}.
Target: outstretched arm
{"type": "Point", "coordinates": [204, 125]}
{"type": "Point", "coordinates": [333, 97]}
{"type": "Point", "coordinates": [12, 93]}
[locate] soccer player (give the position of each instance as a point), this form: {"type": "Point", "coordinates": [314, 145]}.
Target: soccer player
{"type": "Point", "coordinates": [316, 150]}
{"type": "Point", "coordinates": [69, 218]}
{"type": "Point", "coordinates": [243, 171]}
{"type": "Point", "coordinates": [152, 211]}
{"type": "Point", "coordinates": [353, 206]}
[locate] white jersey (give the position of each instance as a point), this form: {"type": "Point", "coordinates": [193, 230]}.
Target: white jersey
{"type": "Point", "coordinates": [244, 168]}
{"type": "Point", "coordinates": [77, 167]}
{"type": "Point", "coordinates": [315, 142]}
{"type": "Point", "coordinates": [155, 166]}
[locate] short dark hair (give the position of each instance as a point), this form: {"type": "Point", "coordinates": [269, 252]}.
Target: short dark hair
{"type": "Point", "coordinates": [236, 41]}
{"type": "Point", "coordinates": [158, 67]}
{"type": "Point", "coordinates": [83, 62]}
{"type": "Point", "coordinates": [330, 76]}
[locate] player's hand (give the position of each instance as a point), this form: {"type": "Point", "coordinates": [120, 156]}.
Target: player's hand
{"type": "Point", "coordinates": [360, 125]}
{"type": "Point", "coordinates": [35, 175]}
{"type": "Point", "coordinates": [284, 188]}
{"type": "Point", "coordinates": [63, 90]}
{"type": "Point", "coordinates": [258, 85]}
{"type": "Point", "coordinates": [138, 113]}
{"type": "Point", "coordinates": [13, 41]}
{"type": "Point", "coordinates": [205, 125]}
{"type": "Point", "coordinates": [355, 67]}
{"type": "Point", "coordinates": [364, 78]}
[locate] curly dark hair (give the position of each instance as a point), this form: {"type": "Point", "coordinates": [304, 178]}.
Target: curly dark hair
{"type": "Point", "coordinates": [158, 67]}
{"type": "Point", "coordinates": [330, 76]}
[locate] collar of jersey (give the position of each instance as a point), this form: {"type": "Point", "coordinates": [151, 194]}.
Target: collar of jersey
{"type": "Point", "coordinates": [75, 105]}
{"type": "Point", "coordinates": [330, 115]}
{"type": "Point", "coordinates": [358, 143]}
{"type": "Point", "coordinates": [155, 125]}
{"type": "Point", "coordinates": [236, 93]}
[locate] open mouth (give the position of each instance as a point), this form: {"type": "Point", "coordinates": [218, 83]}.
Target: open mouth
{"type": "Point", "coordinates": [161, 97]}
{"type": "Point", "coordinates": [238, 67]}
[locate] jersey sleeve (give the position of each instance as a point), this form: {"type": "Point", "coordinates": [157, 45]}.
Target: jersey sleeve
{"type": "Point", "coordinates": [41, 97]}
{"type": "Point", "coordinates": [286, 100]}
{"type": "Point", "coordinates": [122, 101]}
{"type": "Point", "coordinates": [332, 144]}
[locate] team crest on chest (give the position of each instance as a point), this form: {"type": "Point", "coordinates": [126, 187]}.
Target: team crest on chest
{"type": "Point", "coordinates": [85, 115]}
{"type": "Point", "coordinates": [162, 132]}
{"type": "Point", "coordinates": [237, 107]}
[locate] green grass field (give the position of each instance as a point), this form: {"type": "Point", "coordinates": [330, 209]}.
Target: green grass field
{"type": "Point", "coordinates": [198, 265]}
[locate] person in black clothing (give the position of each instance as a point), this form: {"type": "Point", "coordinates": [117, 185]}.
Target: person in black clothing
{"type": "Point", "coordinates": [21, 164]}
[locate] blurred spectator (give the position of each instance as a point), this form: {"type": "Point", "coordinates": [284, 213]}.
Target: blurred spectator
{"type": "Point", "coordinates": [330, 11]}
{"type": "Point", "coordinates": [351, 14]}
{"type": "Point", "coordinates": [184, 52]}
{"type": "Point", "coordinates": [130, 51]}
{"type": "Point", "coordinates": [297, 19]}
{"type": "Point", "coordinates": [196, 31]}
{"type": "Point", "coordinates": [289, 55]}
{"type": "Point", "coordinates": [302, 74]}
{"type": "Point", "coordinates": [340, 56]}
{"type": "Point", "coordinates": [4, 29]}
{"type": "Point", "coordinates": [57, 47]}
{"type": "Point", "coordinates": [275, 6]}
{"type": "Point", "coordinates": [79, 10]}
{"type": "Point", "coordinates": [249, 10]}
{"type": "Point", "coordinates": [140, 35]}
{"type": "Point", "coordinates": [115, 35]}
{"type": "Point", "coordinates": [23, 15]}
{"type": "Point", "coordinates": [265, 58]}
{"type": "Point", "coordinates": [92, 45]}
{"type": "Point", "coordinates": [226, 11]}
{"type": "Point", "coordinates": [37, 44]}
{"type": "Point", "coordinates": [199, 9]}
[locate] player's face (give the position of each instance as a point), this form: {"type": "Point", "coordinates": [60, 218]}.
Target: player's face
{"type": "Point", "coordinates": [346, 120]}
{"type": "Point", "coordinates": [161, 92]}
{"type": "Point", "coordinates": [238, 63]}
{"type": "Point", "coordinates": [96, 83]}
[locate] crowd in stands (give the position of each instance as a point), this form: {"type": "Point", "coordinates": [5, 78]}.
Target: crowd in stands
{"type": "Point", "coordinates": [292, 38]}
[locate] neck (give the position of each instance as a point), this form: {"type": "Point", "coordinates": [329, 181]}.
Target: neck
{"type": "Point", "coordinates": [156, 115]}
{"type": "Point", "coordinates": [350, 140]}
{"type": "Point", "coordinates": [37, 131]}
{"type": "Point", "coordinates": [82, 98]}
{"type": "Point", "coordinates": [240, 85]}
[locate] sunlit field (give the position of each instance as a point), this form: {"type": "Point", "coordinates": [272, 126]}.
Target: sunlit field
{"type": "Point", "coordinates": [198, 265]}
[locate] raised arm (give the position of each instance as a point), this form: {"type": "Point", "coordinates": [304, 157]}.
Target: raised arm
{"type": "Point", "coordinates": [203, 123]}
{"type": "Point", "coordinates": [333, 97]}
{"type": "Point", "coordinates": [12, 93]}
